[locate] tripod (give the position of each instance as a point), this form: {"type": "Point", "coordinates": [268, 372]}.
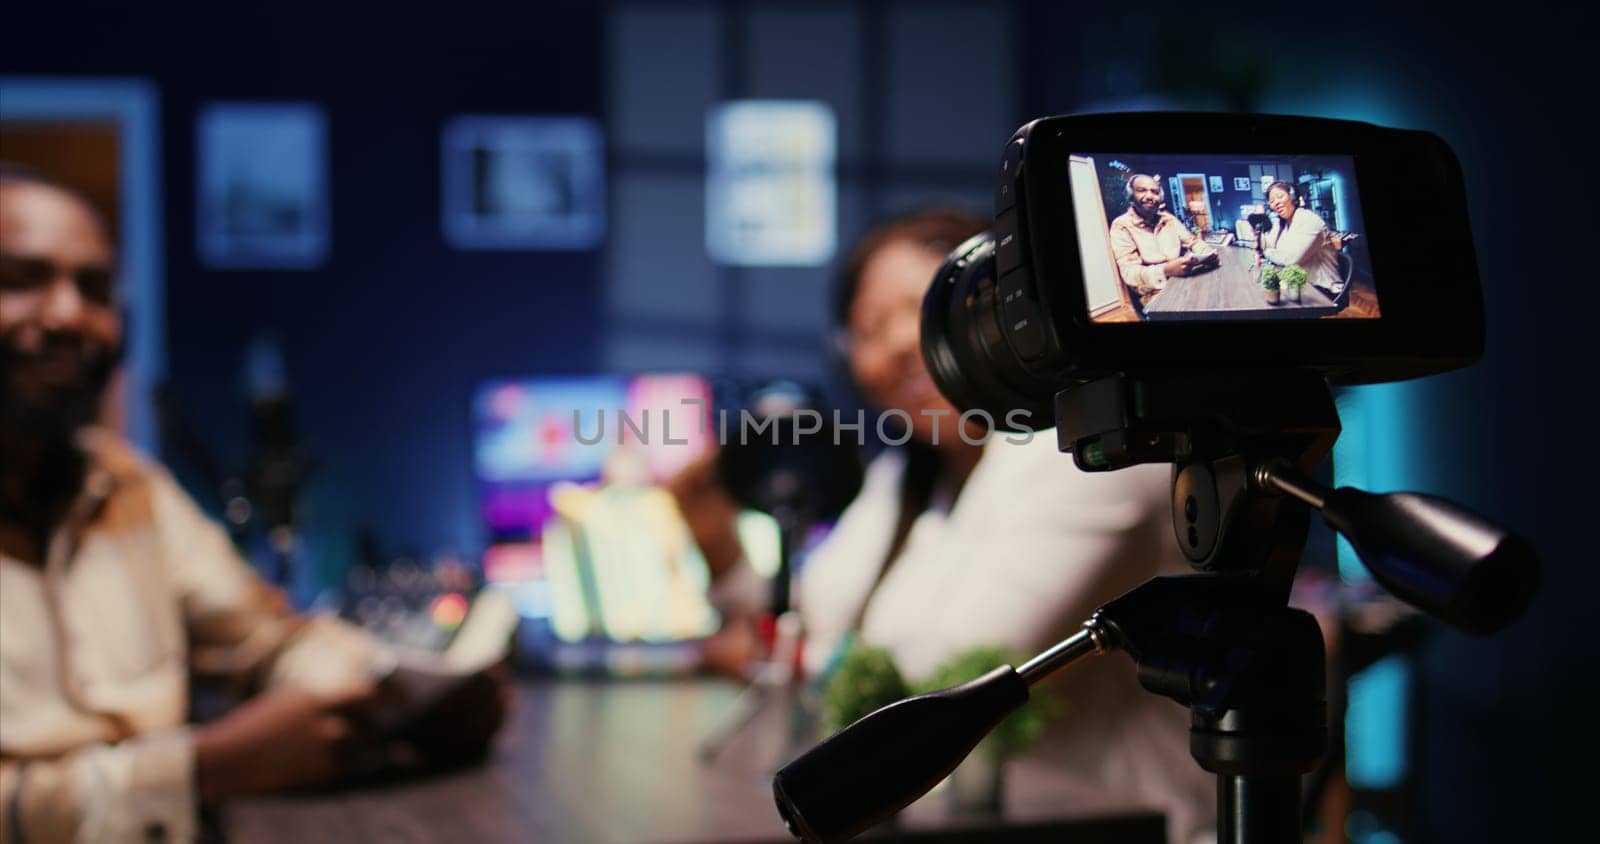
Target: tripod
{"type": "Point", "coordinates": [1222, 641]}
{"type": "Point", "coordinates": [772, 680]}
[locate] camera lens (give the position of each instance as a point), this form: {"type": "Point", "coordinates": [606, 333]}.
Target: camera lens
{"type": "Point", "coordinates": [966, 348]}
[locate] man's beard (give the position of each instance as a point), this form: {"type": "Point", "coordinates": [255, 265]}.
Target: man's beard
{"type": "Point", "coordinates": [54, 413]}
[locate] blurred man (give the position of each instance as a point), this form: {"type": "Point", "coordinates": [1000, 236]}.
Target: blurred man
{"type": "Point", "coordinates": [113, 587]}
{"type": "Point", "coordinates": [1151, 245]}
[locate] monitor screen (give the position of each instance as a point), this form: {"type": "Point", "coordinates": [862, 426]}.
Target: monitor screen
{"type": "Point", "coordinates": [533, 433]}
{"type": "Point", "coordinates": [571, 473]}
{"type": "Point", "coordinates": [1220, 237]}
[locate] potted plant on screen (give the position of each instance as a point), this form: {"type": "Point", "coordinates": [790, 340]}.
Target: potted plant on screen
{"type": "Point", "coordinates": [1270, 282]}
{"type": "Point", "coordinates": [1293, 280]}
{"type": "Point", "coordinates": [978, 783]}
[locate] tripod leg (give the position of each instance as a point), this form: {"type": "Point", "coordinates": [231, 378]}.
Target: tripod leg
{"type": "Point", "coordinates": [745, 707]}
{"type": "Point", "coordinates": [770, 680]}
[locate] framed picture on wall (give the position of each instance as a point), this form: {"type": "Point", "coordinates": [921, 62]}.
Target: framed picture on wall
{"type": "Point", "coordinates": [1241, 182]}
{"type": "Point", "coordinates": [771, 197]}
{"type": "Point", "coordinates": [262, 185]}
{"type": "Point", "coordinates": [523, 183]}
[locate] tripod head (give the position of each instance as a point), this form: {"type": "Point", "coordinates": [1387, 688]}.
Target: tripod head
{"type": "Point", "coordinates": [1223, 641]}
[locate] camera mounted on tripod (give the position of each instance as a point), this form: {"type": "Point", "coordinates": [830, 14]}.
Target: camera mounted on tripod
{"type": "Point", "coordinates": [1034, 325]}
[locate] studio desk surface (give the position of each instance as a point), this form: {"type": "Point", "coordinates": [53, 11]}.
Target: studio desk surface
{"type": "Point", "coordinates": [598, 761]}
{"type": "Point", "coordinates": [1230, 292]}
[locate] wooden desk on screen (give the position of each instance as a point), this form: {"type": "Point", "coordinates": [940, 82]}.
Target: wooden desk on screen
{"type": "Point", "coordinates": [617, 762]}
{"type": "Point", "coordinates": [1230, 292]}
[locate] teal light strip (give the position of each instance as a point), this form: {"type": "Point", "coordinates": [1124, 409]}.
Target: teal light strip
{"type": "Point", "coordinates": [1375, 725]}
{"type": "Point", "coordinates": [1376, 452]}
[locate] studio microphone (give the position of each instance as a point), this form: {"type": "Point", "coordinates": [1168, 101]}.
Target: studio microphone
{"type": "Point", "coordinates": [791, 464]}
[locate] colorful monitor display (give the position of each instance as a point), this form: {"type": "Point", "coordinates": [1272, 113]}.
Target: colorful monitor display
{"type": "Point", "coordinates": [571, 473]}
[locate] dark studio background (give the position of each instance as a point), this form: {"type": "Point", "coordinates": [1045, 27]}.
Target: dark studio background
{"type": "Point", "coordinates": [385, 342]}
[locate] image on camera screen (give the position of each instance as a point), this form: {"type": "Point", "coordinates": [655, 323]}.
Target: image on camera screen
{"type": "Point", "coordinates": [1221, 237]}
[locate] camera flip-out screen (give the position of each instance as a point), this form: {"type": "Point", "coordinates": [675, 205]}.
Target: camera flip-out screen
{"type": "Point", "coordinates": [1175, 237]}
{"type": "Point", "coordinates": [1159, 242]}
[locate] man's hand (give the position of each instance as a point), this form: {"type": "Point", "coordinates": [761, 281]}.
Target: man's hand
{"type": "Point", "coordinates": [1202, 261]}
{"type": "Point", "coordinates": [1178, 266]}
{"type": "Point", "coordinates": [458, 729]}
{"type": "Point", "coordinates": [277, 741]}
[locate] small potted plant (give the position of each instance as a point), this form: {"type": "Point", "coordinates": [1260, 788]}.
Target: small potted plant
{"type": "Point", "coordinates": [978, 783]}
{"type": "Point", "coordinates": [1292, 279]}
{"type": "Point", "coordinates": [1269, 283]}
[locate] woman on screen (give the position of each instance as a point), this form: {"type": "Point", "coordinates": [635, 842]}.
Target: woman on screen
{"type": "Point", "coordinates": [1299, 236]}
{"type": "Point", "coordinates": [952, 545]}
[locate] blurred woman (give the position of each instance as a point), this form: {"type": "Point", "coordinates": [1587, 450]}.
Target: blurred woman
{"type": "Point", "coordinates": [952, 545]}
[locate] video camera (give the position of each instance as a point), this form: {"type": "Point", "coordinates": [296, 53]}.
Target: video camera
{"type": "Point", "coordinates": [1091, 309]}
{"type": "Point", "coordinates": [1045, 301]}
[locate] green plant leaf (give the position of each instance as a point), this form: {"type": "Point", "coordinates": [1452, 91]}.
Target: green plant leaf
{"type": "Point", "coordinates": [867, 680]}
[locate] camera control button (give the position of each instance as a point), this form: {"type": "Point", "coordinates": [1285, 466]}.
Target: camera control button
{"type": "Point", "coordinates": [1005, 189]}
{"type": "Point", "coordinates": [1015, 285]}
{"type": "Point", "coordinates": [1007, 243]}
{"type": "Point", "coordinates": [1019, 313]}
{"type": "Point", "coordinates": [1022, 326]}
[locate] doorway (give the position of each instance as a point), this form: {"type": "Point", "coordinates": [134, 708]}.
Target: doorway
{"type": "Point", "coordinates": [102, 137]}
{"type": "Point", "coordinates": [1195, 202]}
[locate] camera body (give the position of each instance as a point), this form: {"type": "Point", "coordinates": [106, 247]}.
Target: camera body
{"type": "Point", "coordinates": [1084, 276]}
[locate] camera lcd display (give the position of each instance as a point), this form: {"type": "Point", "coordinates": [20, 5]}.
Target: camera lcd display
{"type": "Point", "coordinates": [1172, 237]}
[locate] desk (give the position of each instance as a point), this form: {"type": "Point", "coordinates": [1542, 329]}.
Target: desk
{"type": "Point", "coordinates": [616, 762]}
{"type": "Point", "coordinates": [1230, 292]}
